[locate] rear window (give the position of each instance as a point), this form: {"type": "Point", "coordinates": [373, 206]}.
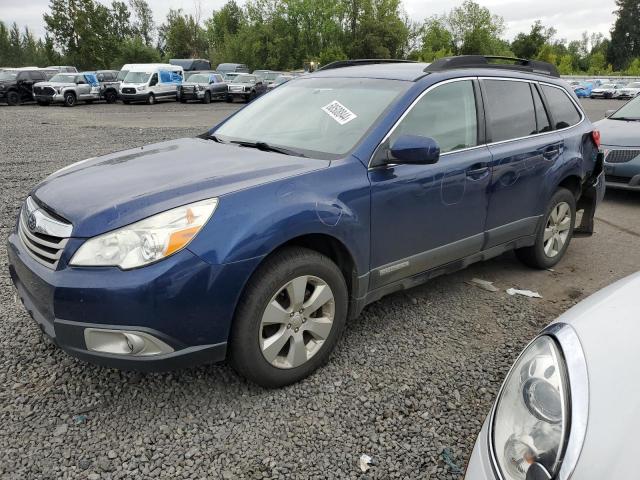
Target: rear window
{"type": "Point", "coordinates": [510, 109]}
{"type": "Point", "coordinates": [564, 112]}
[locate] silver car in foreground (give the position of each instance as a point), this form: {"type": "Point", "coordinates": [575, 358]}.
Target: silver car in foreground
{"type": "Point", "coordinates": [570, 405]}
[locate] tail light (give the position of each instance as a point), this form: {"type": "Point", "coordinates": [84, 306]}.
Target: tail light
{"type": "Point", "coordinates": [595, 134]}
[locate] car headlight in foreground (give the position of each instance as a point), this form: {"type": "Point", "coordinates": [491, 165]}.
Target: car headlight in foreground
{"type": "Point", "coordinates": [148, 240]}
{"type": "Point", "coordinates": [539, 420]}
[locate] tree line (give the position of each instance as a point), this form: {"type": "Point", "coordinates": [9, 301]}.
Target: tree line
{"type": "Point", "coordinates": [286, 34]}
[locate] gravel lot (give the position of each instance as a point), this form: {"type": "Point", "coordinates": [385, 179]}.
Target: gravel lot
{"type": "Point", "coordinates": [409, 384]}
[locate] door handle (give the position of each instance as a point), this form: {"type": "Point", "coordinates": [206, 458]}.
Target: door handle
{"type": "Point", "coordinates": [551, 152]}
{"type": "Point", "coordinates": [477, 170]}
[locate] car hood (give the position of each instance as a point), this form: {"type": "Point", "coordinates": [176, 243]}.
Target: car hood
{"type": "Point", "coordinates": [55, 84]}
{"type": "Point", "coordinates": [108, 192]}
{"type": "Point", "coordinates": [619, 133]}
{"type": "Point", "coordinates": [608, 326]}
{"type": "Point", "coordinates": [236, 84]}
{"type": "Point", "coordinates": [193, 84]}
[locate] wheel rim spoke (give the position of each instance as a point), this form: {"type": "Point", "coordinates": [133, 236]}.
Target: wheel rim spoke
{"type": "Point", "coordinates": [548, 233]}
{"type": "Point", "coordinates": [274, 314]}
{"type": "Point", "coordinates": [565, 224]}
{"type": "Point", "coordinates": [563, 208]}
{"type": "Point", "coordinates": [321, 295]}
{"type": "Point", "coordinates": [296, 289]}
{"type": "Point", "coordinates": [273, 345]}
{"type": "Point", "coordinates": [297, 351]}
{"type": "Point", "coordinates": [320, 328]}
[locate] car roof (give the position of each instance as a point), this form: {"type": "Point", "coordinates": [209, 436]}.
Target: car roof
{"type": "Point", "coordinates": [391, 71]}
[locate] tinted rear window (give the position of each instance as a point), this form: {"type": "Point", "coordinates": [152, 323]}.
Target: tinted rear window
{"type": "Point", "coordinates": [544, 125]}
{"type": "Point", "coordinates": [510, 109]}
{"type": "Point", "coordinates": [563, 111]}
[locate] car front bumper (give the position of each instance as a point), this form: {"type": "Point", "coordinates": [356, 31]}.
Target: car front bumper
{"type": "Point", "coordinates": [183, 301]}
{"type": "Point", "coordinates": [57, 98]}
{"type": "Point", "coordinates": [191, 95]}
{"type": "Point", "coordinates": [480, 466]}
{"type": "Point", "coordinates": [622, 175]}
{"type": "Point", "coordinates": [134, 97]}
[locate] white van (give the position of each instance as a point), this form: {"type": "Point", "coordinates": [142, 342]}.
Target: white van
{"type": "Point", "coordinates": [150, 82]}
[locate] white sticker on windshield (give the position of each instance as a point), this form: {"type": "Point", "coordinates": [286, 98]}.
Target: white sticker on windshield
{"type": "Point", "coordinates": [339, 112]}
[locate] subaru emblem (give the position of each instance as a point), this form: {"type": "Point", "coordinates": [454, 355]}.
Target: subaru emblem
{"type": "Point", "coordinates": [31, 222]}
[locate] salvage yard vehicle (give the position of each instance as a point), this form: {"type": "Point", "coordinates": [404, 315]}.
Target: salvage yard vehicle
{"type": "Point", "coordinates": [225, 68]}
{"type": "Point", "coordinates": [150, 83]}
{"type": "Point", "coordinates": [630, 90]}
{"type": "Point", "coordinates": [256, 240]}
{"type": "Point", "coordinates": [583, 90]}
{"type": "Point", "coordinates": [204, 86]}
{"type": "Point", "coordinates": [16, 84]}
{"type": "Point", "coordinates": [279, 80]}
{"type": "Point", "coordinates": [607, 90]}
{"type": "Point", "coordinates": [620, 137]}
{"type": "Point", "coordinates": [68, 89]}
{"type": "Point", "coordinates": [191, 64]}
{"type": "Point", "coordinates": [567, 407]}
{"type": "Point", "coordinates": [109, 84]}
{"type": "Point", "coordinates": [245, 87]}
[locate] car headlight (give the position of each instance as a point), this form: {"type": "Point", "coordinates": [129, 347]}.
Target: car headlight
{"type": "Point", "coordinates": [141, 88]}
{"type": "Point", "coordinates": [148, 240]}
{"type": "Point", "coordinates": [200, 88]}
{"type": "Point", "coordinates": [532, 414]}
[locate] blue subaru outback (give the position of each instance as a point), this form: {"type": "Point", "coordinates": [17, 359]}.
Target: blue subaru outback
{"type": "Point", "coordinates": [257, 240]}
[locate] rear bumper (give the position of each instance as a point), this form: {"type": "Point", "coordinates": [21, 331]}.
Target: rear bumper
{"type": "Point", "coordinates": [183, 301]}
{"type": "Point", "coordinates": [625, 175]}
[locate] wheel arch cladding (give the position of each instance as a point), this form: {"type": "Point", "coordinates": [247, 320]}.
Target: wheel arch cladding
{"type": "Point", "coordinates": [573, 183]}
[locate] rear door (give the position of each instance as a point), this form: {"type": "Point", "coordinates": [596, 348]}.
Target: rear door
{"type": "Point", "coordinates": [523, 148]}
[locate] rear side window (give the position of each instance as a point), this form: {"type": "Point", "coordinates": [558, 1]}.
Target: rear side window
{"type": "Point", "coordinates": [564, 112]}
{"type": "Point", "coordinates": [542, 119]}
{"type": "Point", "coordinates": [510, 109]}
{"type": "Point", "coordinates": [447, 114]}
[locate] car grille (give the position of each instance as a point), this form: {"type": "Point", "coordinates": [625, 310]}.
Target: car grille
{"type": "Point", "coordinates": [128, 90]}
{"type": "Point", "coordinates": [187, 89]}
{"type": "Point", "coordinates": [621, 156]}
{"type": "Point", "coordinates": [236, 89]}
{"type": "Point", "coordinates": [45, 248]}
{"type": "Point", "coordinates": [616, 179]}
{"type": "Point", "coordinates": [44, 91]}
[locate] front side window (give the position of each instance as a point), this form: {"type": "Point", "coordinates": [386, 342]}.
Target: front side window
{"type": "Point", "coordinates": [318, 117]}
{"type": "Point", "coordinates": [564, 112]}
{"type": "Point", "coordinates": [121, 75]}
{"type": "Point", "coordinates": [447, 114]}
{"type": "Point", "coordinates": [510, 109]}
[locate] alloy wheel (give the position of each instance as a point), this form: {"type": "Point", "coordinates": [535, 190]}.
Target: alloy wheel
{"type": "Point", "coordinates": [296, 322]}
{"type": "Point", "coordinates": [557, 229]}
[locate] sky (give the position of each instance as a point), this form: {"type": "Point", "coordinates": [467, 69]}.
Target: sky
{"type": "Point", "coordinates": [569, 17]}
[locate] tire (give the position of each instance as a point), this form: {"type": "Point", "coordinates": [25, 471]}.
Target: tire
{"type": "Point", "coordinates": [151, 99]}
{"type": "Point", "coordinates": [207, 97]}
{"type": "Point", "coordinates": [13, 98]}
{"type": "Point", "coordinates": [70, 99]}
{"type": "Point", "coordinates": [267, 286]}
{"type": "Point", "coordinates": [110, 96]}
{"type": "Point", "coordinates": [229, 99]}
{"type": "Point", "coordinates": [182, 100]}
{"type": "Point", "coordinates": [544, 254]}
{"type": "Point", "coordinates": [43, 104]}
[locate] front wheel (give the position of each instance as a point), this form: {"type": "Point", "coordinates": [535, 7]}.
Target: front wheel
{"type": "Point", "coordinates": [151, 99]}
{"type": "Point", "coordinates": [289, 318]}
{"type": "Point", "coordinates": [552, 240]}
{"type": "Point", "coordinates": [13, 99]}
{"type": "Point", "coordinates": [70, 99]}
{"type": "Point", "coordinates": [110, 96]}
{"type": "Point", "coordinates": [207, 97]}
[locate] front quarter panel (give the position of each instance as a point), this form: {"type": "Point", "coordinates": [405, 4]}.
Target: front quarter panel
{"type": "Point", "coordinates": [254, 222]}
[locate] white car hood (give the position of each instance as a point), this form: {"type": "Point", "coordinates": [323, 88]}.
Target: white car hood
{"type": "Point", "coordinates": [608, 325]}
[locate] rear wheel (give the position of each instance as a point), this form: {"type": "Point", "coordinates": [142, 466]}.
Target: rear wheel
{"type": "Point", "coordinates": [229, 99]}
{"type": "Point", "coordinates": [151, 99]}
{"type": "Point", "coordinates": [207, 97]}
{"type": "Point", "coordinates": [289, 319]}
{"type": "Point", "coordinates": [555, 235]}
{"type": "Point", "coordinates": [70, 99]}
{"type": "Point", "coordinates": [13, 98]}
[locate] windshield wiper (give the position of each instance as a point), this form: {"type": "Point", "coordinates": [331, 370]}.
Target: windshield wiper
{"type": "Point", "coordinates": [265, 147]}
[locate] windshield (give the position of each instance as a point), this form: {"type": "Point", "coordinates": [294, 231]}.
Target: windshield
{"type": "Point", "coordinates": [199, 78]}
{"type": "Point", "coordinates": [63, 78]}
{"type": "Point", "coordinates": [271, 76]}
{"type": "Point", "coordinates": [319, 117]}
{"type": "Point", "coordinates": [121, 75]}
{"type": "Point", "coordinates": [630, 110]}
{"type": "Point", "coordinates": [244, 79]}
{"type": "Point", "coordinates": [6, 75]}
{"type": "Point", "coordinates": [137, 77]}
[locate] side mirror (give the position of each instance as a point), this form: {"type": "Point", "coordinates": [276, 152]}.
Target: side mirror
{"type": "Point", "coordinates": [414, 149]}
{"type": "Point", "coordinates": [608, 113]}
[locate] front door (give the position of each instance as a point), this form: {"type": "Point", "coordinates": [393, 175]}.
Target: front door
{"type": "Point", "coordinates": [424, 216]}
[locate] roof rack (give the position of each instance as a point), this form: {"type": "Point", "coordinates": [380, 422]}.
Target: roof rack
{"type": "Point", "coordinates": [361, 61]}
{"type": "Point", "coordinates": [484, 61]}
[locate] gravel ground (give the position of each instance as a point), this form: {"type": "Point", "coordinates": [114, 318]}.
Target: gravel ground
{"type": "Point", "coordinates": [410, 383]}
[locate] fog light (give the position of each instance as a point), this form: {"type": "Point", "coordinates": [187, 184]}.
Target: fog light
{"type": "Point", "coordinates": [124, 342]}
